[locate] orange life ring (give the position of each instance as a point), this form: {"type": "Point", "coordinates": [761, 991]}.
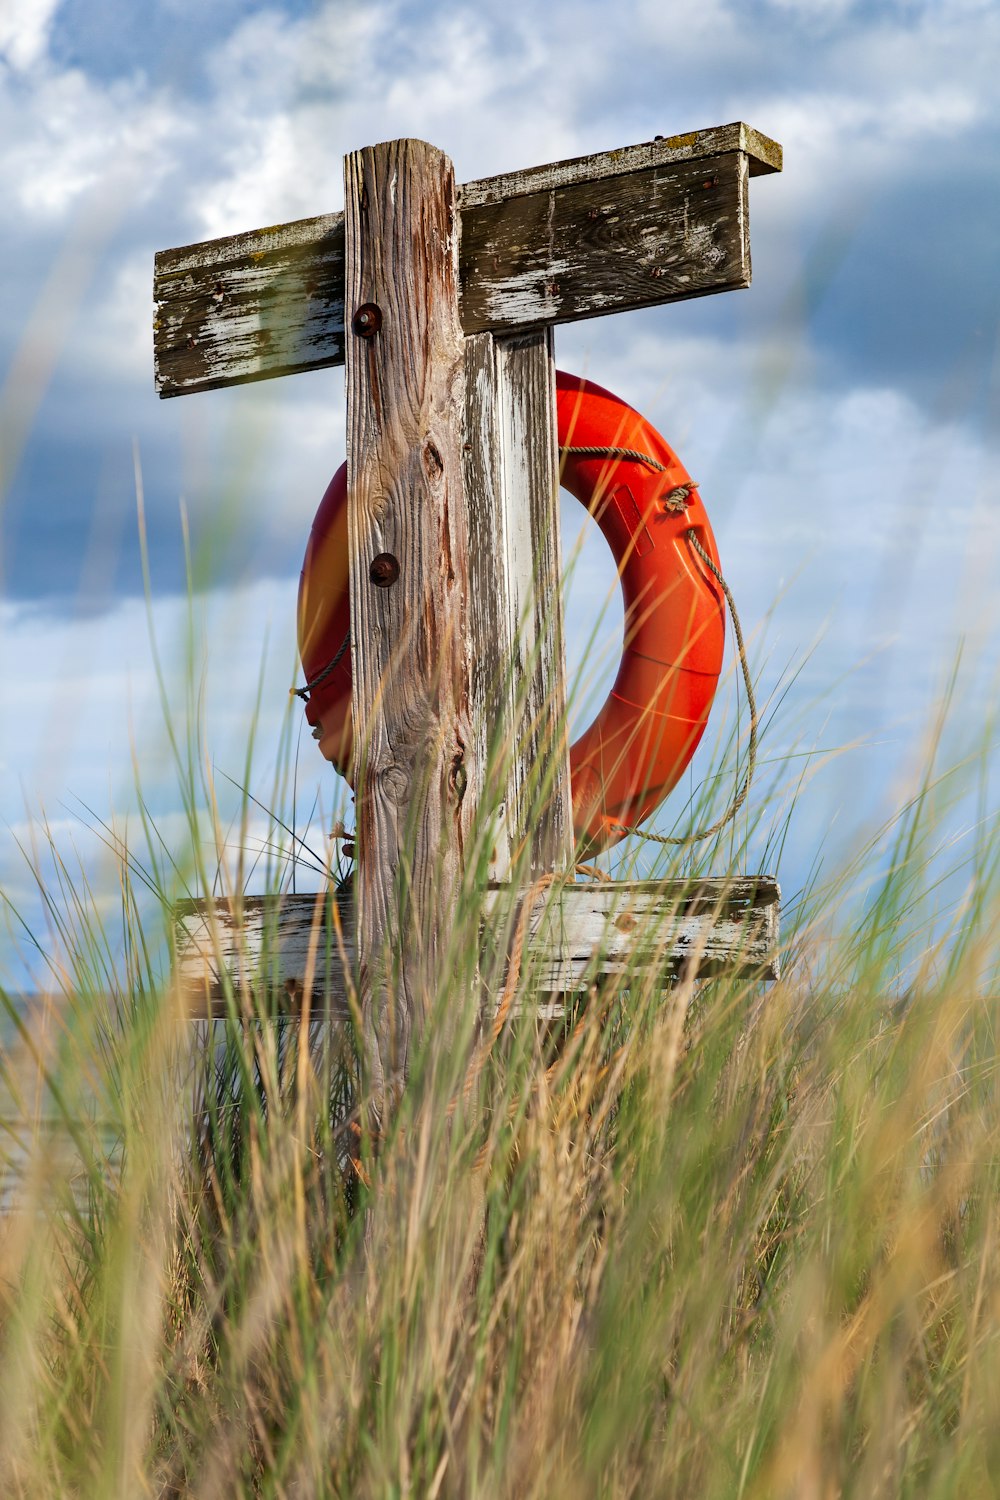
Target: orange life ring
{"type": "Point", "coordinates": [638, 746]}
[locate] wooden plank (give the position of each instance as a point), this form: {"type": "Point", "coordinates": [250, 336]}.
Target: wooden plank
{"type": "Point", "coordinates": [267, 951]}
{"type": "Point", "coordinates": [615, 245]}
{"type": "Point", "coordinates": [273, 950]}
{"type": "Point", "coordinates": [268, 303]}
{"type": "Point", "coordinates": [416, 786]}
{"type": "Point", "coordinates": [643, 928]}
{"type": "Point", "coordinates": [763, 155]}
{"type": "Point", "coordinates": [515, 602]}
{"type": "Point", "coordinates": [250, 306]}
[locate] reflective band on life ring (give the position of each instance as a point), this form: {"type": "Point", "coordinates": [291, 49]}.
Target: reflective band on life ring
{"type": "Point", "coordinates": [642, 739]}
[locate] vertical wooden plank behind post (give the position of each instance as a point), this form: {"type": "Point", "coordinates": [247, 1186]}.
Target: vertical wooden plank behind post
{"type": "Point", "coordinates": [408, 561]}
{"type": "Point", "coordinates": [519, 664]}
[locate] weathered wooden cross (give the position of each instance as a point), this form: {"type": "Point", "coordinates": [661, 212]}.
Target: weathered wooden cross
{"type": "Point", "coordinates": [441, 301]}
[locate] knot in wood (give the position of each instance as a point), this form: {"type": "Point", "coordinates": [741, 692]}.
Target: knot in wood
{"type": "Point", "coordinates": [394, 784]}
{"type": "Point", "coordinates": [432, 460]}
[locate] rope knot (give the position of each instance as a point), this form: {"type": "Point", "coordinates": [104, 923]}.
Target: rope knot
{"type": "Point", "coordinates": [678, 499]}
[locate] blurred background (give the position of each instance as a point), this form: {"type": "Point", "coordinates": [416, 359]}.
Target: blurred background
{"type": "Point", "coordinates": [841, 416]}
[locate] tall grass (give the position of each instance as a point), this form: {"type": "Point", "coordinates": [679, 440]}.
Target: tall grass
{"type": "Point", "coordinates": [705, 1239]}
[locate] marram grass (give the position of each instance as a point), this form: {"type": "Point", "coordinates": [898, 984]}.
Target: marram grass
{"type": "Point", "coordinates": [717, 1239]}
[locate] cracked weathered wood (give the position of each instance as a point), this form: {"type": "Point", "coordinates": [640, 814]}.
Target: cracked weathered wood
{"type": "Point", "coordinates": [623, 229]}
{"type": "Point", "coordinates": [515, 603]}
{"type": "Point", "coordinates": [417, 784]}
{"type": "Point", "coordinates": [268, 952]}
{"type": "Point", "coordinates": [763, 156]}
{"type": "Point", "coordinates": [439, 665]}
{"type": "Point", "coordinates": [611, 245]}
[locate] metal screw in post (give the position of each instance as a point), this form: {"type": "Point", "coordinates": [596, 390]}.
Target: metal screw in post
{"type": "Point", "coordinates": [383, 570]}
{"type": "Point", "coordinates": [367, 320]}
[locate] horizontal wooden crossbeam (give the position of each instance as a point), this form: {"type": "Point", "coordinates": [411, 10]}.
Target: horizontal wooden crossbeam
{"type": "Point", "coordinates": [581, 934]}
{"type": "Point", "coordinates": [612, 232]}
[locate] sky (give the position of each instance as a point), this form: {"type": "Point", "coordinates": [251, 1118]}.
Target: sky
{"type": "Point", "coordinates": [840, 415]}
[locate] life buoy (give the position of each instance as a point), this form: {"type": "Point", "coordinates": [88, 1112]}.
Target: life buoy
{"type": "Point", "coordinates": [637, 748]}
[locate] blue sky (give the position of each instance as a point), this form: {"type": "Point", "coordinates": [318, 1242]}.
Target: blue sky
{"type": "Point", "coordinates": [841, 415]}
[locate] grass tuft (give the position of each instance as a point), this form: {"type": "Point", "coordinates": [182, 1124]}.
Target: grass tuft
{"type": "Point", "coordinates": [693, 1238]}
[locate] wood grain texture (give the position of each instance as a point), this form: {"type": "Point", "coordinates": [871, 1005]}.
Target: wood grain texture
{"type": "Point", "coordinates": [515, 602]}
{"type": "Point", "coordinates": [249, 307]}
{"type": "Point", "coordinates": [763, 155]}
{"type": "Point", "coordinates": [417, 783]}
{"type": "Point", "coordinates": [614, 245]}
{"type": "Point", "coordinates": [274, 953]}
{"type": "Point", "coordinates": [267, 303]}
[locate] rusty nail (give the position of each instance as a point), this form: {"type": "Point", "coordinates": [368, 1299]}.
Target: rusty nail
{"type": "Point", "coordinates": [191, 341]}
{"type": "Point", "coordinates": [384, 570]}
{"type": "Point", "coordinates": [367, 320]}
{"type": "Point", "coordinates": [656, 272]}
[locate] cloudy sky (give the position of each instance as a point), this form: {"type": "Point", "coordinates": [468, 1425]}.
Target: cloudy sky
{"type": "Point", "coordinates": [841, 415]}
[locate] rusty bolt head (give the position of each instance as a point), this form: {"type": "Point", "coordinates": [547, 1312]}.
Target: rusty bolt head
{"type": "Point", "coordinates": [367, 320]}
{"type": "Point", "coordinates": [384, 570]}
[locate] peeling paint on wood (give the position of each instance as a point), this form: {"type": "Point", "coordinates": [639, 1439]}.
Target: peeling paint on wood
{"type": "Point", "coordinates": [576, 239]}
{"type": "Point", "coordinates": [250, 307]}
{"type": "Point", "coordinates": [515, 609]}
{"type": "Point", "coordinates": [587, 249]}
{"type": "Point", "coordinates": [273, 954]}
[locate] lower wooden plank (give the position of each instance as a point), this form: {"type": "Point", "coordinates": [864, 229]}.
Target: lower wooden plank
{"type": "Point", "coordinates": [278, 952]}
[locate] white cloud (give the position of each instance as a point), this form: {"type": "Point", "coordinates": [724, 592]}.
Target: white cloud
{"type": "Point", "coordinates": [293, 96]}
{"type": "Point", "coordinates": [24, 31]}
{"type": "Point", "coordinates": [71, 136]}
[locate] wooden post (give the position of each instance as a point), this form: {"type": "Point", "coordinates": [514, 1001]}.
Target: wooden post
{"type": "Point", "coordinates": [515, 567]}
{"type": "Point", "coordinates": [416, 779]}
{"type": "Point", "coordinates": [453, 516]}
